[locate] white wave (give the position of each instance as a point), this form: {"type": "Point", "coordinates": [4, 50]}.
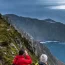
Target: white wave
{"type": "Point", "coordinates": [48, 42]}
{"type": "Point", "coordinates": [53, 42]}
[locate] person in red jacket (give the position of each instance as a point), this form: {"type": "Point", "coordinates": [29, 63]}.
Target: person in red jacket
{"type": "Point", "coordinates": [22, 59]}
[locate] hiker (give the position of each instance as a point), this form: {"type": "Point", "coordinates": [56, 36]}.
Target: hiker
{"type": "Point", "coordinates": [43, 59]}
{"type": "Point", "coordinates": [22, 59]}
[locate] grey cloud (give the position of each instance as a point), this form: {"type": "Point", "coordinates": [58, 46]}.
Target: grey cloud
{"type": "Point", "coordinates": [29, 8]}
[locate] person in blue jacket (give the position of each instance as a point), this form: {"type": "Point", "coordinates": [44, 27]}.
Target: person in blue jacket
{"type": "Point", "coordinates": [43, 59]}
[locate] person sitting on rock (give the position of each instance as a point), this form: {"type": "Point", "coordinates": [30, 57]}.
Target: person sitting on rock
{"type": "Point", "coordinates": [43, 59]}
{"type": "Point", "coordinates": [22, 59]}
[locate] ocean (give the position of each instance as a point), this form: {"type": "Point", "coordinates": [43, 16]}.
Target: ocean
{"type": "Point", "coordinates": [57, 49]}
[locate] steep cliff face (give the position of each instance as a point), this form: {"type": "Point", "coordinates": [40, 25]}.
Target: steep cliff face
{"type": "Point", "coordinates": [11, 41]}
{"type": "Point", "coordinates": [44, 30]}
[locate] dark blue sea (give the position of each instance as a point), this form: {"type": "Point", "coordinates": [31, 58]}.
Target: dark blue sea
{"type": "Point", "coordinates": [57, 49]}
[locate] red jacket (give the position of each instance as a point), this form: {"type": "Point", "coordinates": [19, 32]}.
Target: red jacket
{"type": "Point", "coordinates": [21, 60]}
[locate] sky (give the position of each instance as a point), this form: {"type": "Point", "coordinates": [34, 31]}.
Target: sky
{"type": "Point", "coordinates": [52, 1]}
{"type": "Point", "coordinates": [40, 9]}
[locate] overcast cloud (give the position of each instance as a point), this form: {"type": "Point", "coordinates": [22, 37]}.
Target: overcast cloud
{"type": "Point", "coordinates": [34, 8]}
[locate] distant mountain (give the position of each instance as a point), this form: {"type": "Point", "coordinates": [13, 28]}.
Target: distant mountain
{"type": "Point", "coordinates": [44, 30]}
{"type": "Point", "coordinates": [50, 20]}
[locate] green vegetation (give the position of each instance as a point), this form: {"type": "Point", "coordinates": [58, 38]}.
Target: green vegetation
{"type": "Point", "coordinates": [10, 41]}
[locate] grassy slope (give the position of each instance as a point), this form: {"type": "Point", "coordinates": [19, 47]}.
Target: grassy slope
{"type": "Point", "coordinates": [10, 41]}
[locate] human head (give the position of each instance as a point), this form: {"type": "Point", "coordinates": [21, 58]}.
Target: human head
{"type": "Point", "coordinates": [21, 51]}
{"type": "Point", "coordinates": [43, 58]}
